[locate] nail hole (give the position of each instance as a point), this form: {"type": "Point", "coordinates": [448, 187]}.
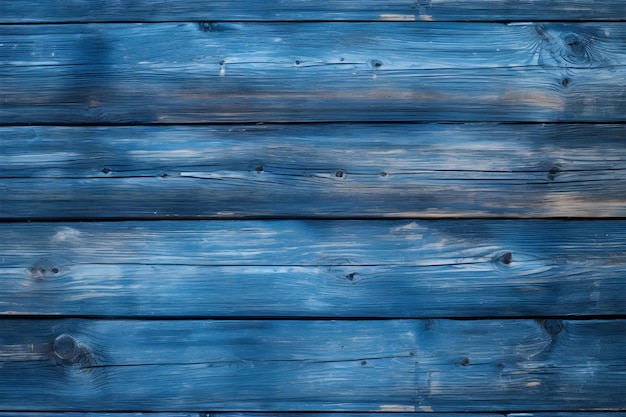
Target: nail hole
{"type": "Point", "coordinates": [500, 366]}
{"type": "Point", "coordinates": [351, 276]}
{"type": "Point", "coordinates": [340, 173]}
{"type": "Point", "coordinates": [164, 175]}
{"type": "Point", "coordinates": [507, 258]}
{"type": "Point", "coordinates": [259, 169]}
{"type": "Point", "coordinates": [565, 82]}
{"type": "Point", "coordinates": [298, 62]}
{"type": "Point", "coordinates": [54, 270]}
{"type": "Point", "coordinates": [384, 174]}
{"type": "Point", "coordinates": [222, 62]}
{"type": "Point", "coordinates": [105, 170]}
{"type": "Point", "coordinates": [376, 63]}
{"type": "Point", "coordinates": [465, 361]}
{"type": "Point", "coordinates": [363, 363]}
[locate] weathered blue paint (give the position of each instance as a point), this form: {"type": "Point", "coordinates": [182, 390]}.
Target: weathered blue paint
{"type": "Point", "coordinates": [400, 365]}
{"type": "Point", "coordinates": [287, 414]}
{"type": "Point", "coordinates": [271, 317]}
{"type": "Point", "coordinates": [260, 72]}
{"type": "Point", "coordinates": [284, 414]}
{"type": "Point", "coordinates": [337, 269]}
{"type": "Point", "coordinates": [325, 171]}
{"type": "Point", "coordinates": [268, 10]}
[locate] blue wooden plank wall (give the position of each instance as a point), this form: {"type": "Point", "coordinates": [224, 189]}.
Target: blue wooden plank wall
{"type": "Point", "coordinates": [291, 208]}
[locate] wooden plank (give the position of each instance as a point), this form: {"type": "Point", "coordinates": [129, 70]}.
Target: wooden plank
{"type": "Point", "coordinates": [396, 414]}
{"type": "Point", "coordinates": [261, 72]}
{"type": "Point", "coordinates": [325, 171]}
{"type": "Point", "coordinates": [287, 414]}
{"type": "Point", "coordinates": [526, 414]}
{"type": "Point", "coordinates": [389, 365]}
{"type": "Point", "coordinates": [377, 269]}
{"type": "Point", "coordinates": [138, 414]}
{"type": "Point", "coordinates": [425, 10]}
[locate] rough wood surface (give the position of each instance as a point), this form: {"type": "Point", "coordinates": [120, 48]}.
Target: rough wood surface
{"type": "Point", "coordinates": [170, 414]}
{"type": "Point", "coordinates": [286, 414]}
{"type": "Point", "coordinates": [314, 269]}
{"type": "Point", "coordinates": [259, 72]}
{"type": "Point", "coordinates": [404, 10]}
{"type": "Point", "coordinates": [325, 171]}
{"type": "Point", "coordinates": [255, 365]}
{"type": "Point", "coordinates": [176, 118]}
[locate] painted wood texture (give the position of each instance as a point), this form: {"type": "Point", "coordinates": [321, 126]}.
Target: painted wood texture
{"type": "Point", "coordinates": [241, 159]}
{"type": "Point", "coordinates": [306, 414]}
{"type": "Point", "coordinates": [425, 10]}
{"type": "Point", "coordinates": [401, 365]}
{"type": "Point", "coordinates": [314, 269]}
{"type": "Point", "coordinates": [325, 171]}
{"type": "Point", "coordinates": [258, 72]}
{"type": "Point", "coordinates": [170, 414]}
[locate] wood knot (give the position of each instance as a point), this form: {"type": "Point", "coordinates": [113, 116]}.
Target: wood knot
{"type": "Point", "coordinates": [67, 348]}
{"type": "Point", "coordinates": [554, 172]}
{"type": "Point", "coordinates": [209, 26]}
{"type": "Point", "coordinates": [553, 326]}
{"type": "Point", "coordinates": [506, 258]}
{"type": "Point", "coordinates": [574, 45]}
{"type": "Point", "coordinates": [565, 48]}
{"type": "Point", "coordinates": [71, 352]}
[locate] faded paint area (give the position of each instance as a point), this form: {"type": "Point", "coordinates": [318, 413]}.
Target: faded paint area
{"type": "Point", "coordinates": [312, 208]}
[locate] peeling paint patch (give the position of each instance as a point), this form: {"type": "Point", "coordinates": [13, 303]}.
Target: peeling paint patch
{"type": "Point", "coordinates": [533, 384]}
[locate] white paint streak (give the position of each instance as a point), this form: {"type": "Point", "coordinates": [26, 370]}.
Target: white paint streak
{"type": "Point", "coordinates": [398, 17]}
{"type": "Point", "coordinates": [411, 227]}
{"type": "Point", "coordinates": [67, 234]}
{"type": "Point", "coordinates": [397, 408]}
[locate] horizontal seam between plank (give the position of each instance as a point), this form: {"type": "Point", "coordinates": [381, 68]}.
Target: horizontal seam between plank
{"type": "Point", "coordinates": [313, 21]}
{"type": "Point", "coordinates": [43, 317]}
